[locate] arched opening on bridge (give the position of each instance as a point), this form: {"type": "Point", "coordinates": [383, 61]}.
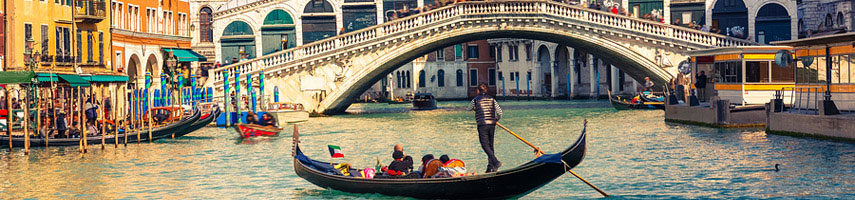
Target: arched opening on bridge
{"type": "Point", "coordinates": [391, 8]}
{"type": "Point", "coordinates": [772, 24]}
{"type": "Point", "coordinates": [544, 60]}
{"type": "Point", "coordinates": [134, 68]}
{"type": "Point", "coordinates": [237, 41]}
{"type": "Point", "coordinates": [358, 16]}
{"type": "Point", "coordinates": [206, 19]}
{"type": "Point", "coordinates": [277, 32]}
{"type": "Point", "coordinates": [731, 17]}
{"type": "Point", "coordinates": [641, 7]}
{"type": "Point", "coordinates": [562, 72]}
{"type": "Point", "coordinates": [318, 21]}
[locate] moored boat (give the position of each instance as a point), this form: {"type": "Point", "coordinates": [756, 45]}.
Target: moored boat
{"type": "Point", "coordinates": [623, 104]}
{"type": "Point", "coordinates": [503, 184]}
{"type": "Point", "coordinates": [253, 130]}
{"type": "Point", "coordinates": [157, 133]}
{"type": "Point", "coordinates": [203, 121]}
{"type": "Point", "coordinates": [288, 112]}
{"type": "Point", "coordinates": [424, 101]}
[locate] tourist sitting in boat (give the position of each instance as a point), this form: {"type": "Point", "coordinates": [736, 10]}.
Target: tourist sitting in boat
{"type": "Point", "coordinates": [91, 130]}
{"type": "Point", "coordinates": [430, 166]}
{"type": "Point", "coordinates": [251, 118]}
{"type": "Point", "coordinates": [399, 166]}
{"type": "Point", "coordinates": [73, 132]}
{"type": "Point", "coordinates": [451, 168]}
{"type": "Point", "coordinates": [267, 120]}
{"type": "Point", "coordinates": [160, 117]}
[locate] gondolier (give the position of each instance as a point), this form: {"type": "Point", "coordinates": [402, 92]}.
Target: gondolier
{"type": "Point", "coordinates": [487, 113]}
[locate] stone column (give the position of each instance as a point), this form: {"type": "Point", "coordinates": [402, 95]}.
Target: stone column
{"type": "Point", "coordinates": [615, 80]}
{"type": "Point", "coordinates": [592, 65]}
{"type": "Point", "coordinates": [572, 71]}
{"type": "Point", "coordinates": [666, 11]}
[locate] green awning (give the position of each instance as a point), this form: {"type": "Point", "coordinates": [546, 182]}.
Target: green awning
{"type": "Point", "coordinates": [47, 77]}
{"type": "Point", "coordinates": [106, 78]}
{"type": "Point", "coordinates": [186, 55]}
{"type": "Point", "coordinates": [9, 77]}
{"type": "Point", "coordinates": [74, 80]}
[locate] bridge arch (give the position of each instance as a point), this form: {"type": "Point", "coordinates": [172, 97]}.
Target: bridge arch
{"type": "Point", "coordinates": [621, 56]}
{"type": "Point", "coordinates": [326, 75]}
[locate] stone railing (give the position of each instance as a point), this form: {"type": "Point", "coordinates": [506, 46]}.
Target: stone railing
{"type": "Point", "coordinates": [294, 57]}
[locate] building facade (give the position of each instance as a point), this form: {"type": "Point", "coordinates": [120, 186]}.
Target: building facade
{"type": "Point", "coordinates": [817, 18]}
{"type": "Point", "coordinates": [145, 33]}
{"type": "Point", "coordinates": [533, 68]}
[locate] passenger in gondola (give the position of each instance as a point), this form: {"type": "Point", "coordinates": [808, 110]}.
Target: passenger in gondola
{"type": "Point", "coordinates": [400, 166]}
{"type": "Point", "coordinates": [430, 166]}
{"type": "Point", "coordinates": [251, 118]}
{"type": "Point", "coordinates": [73, 132]}
{"type": "Point", "coordinates": [160, 117]}
{"type": "Point", "coordinates": [451, 168]}
{"type": "Point", "coordinates": [267, 120]}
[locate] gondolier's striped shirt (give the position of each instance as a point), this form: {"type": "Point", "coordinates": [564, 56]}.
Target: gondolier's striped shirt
{"type": "Point", "coordinates": [487, 110]}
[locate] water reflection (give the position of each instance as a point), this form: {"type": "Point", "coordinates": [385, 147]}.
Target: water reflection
{"type": "Point", "coordinates": [632, 154]}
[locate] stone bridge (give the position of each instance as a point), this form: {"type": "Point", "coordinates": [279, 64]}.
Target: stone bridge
{"type": "Point", "coordinates": [327, 75]}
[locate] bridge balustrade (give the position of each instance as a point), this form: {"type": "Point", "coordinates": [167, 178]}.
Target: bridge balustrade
{"type": "Point", "coordinates": [416, 25]}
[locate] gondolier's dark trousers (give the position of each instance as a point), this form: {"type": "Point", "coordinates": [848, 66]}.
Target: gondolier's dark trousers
{"type": "Point", "coordinates": [485, 135]}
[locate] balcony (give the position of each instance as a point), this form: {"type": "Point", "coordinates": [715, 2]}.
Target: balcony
{"type": "Point", "coordinates": [90, 11]}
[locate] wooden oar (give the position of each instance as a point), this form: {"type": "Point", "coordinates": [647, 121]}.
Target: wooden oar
{"type": "Point", "coordinates": [538, 153]}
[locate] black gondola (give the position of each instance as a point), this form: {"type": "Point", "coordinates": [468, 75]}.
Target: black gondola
{"type": "Point", "coordinates": [157, 133]}
{"type": "Point", "coordinates": [622, 104]}
{"type": "Point", "coordinates": [424, 101]}
{"type": "Point", "coordinates": [201, 122]}
{"type": "Point", "coordinates": [503, 184]}
{"type": "Point", "coordinates": [167, 131]}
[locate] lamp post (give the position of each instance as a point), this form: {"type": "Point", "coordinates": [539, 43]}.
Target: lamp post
{"type": "Point", "coordinates": [32, 58]}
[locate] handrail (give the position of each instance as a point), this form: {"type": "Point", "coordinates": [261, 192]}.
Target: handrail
{"type": "Point", "coordinates": [514, 8]}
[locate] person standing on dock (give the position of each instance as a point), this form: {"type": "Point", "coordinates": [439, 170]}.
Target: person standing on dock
{"type": "Point", "coordinates": [701, 86]}
{"type": "Point", "coordinates": [487, 114]}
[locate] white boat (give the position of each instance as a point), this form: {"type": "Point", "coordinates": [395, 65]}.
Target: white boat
{"type": "Point", "coordinates": [288, 112]}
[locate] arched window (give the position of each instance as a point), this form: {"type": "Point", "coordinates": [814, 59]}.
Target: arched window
{"type": "Point", "coordinates": [409, 80]}
{"type": "Point", "coordinates": [398, 78]}
{"type": "Point", "coordinates": [206, 33]}
{"type": "Point", "coordinates": [422, 78]}
{"type": "Point", "coordinates": [440, 78]}
{"type": "Point", "coordinates": [828, 20]}
{"type": "Point", "coordinates": [459, 77]}
{"type": "Point", "coordinates": [840, 19]}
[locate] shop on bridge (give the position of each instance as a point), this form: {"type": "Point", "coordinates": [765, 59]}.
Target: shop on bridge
{"type": "Point", "coordinates": [358, 14]}
{"type": "Point", "coordinates": [277, 32]}
{"type": "Point", "coordinates": [743, 75]}
{"type": "Point", "coordinates": [238, 42]}
{"type": "Point", "coordinates": [318, 21]}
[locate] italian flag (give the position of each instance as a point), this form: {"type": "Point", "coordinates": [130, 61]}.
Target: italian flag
{"type": "Point", "coordinates": [335, 151]}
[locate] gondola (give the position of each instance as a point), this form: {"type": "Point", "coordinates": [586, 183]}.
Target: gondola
{"type": "Point", "coordinates": [510, 183]}
{"type": "Point", "coordinates": [157, 133]}
{"type": "Point", "coordinates": [623, 104]}
{"type": "Point", "coordinates": [424, 101]}
{"type": "Point", "coordinates": [253, 130]}
{"type": "Point", "coordinates": [203, 121]}
{"type": "Point", "coordinates": [165, 131]}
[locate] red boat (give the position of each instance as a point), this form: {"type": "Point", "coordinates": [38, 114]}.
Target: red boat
{"type": "Point", "coordinates": [252, 130]}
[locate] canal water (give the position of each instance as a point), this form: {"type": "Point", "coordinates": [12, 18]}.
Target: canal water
{"type": "Point", "coordinates": [632, 155]}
